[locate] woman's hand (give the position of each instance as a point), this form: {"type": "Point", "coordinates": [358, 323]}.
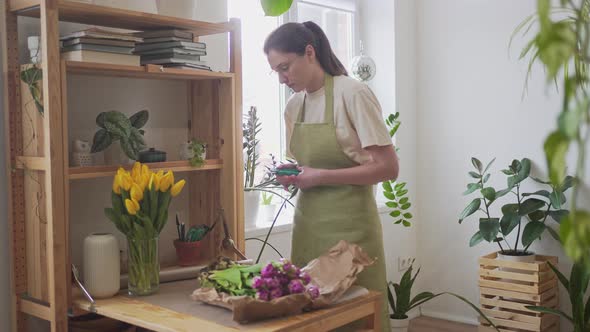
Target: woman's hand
{"type": "Point", "coordinates": [308, 178]}
{"type": "Point", "coordinates": [286, 180]}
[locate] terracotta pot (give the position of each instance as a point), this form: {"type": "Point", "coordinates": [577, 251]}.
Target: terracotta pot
{"type": "Point", "coordinates": [188, 253]}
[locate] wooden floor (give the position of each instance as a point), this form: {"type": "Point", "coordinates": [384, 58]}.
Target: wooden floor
{"type": "Point", "coordinates": [429, 324]}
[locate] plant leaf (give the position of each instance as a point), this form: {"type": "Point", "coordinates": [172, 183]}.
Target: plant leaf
{"type": "Point", "coordinates": [470, 209]}
{"type": "Point", "coordinates": [139, 119]}
{"type": "Point", "coordinates": [489, 193]}
{"type": "Point", "coordinates": [488, 165]}
{"type": "Point", "coordinates": [387, 186]}
{"type": "Point", "coordinates": [551, 311]}
{"type": "Point", "coordinates": [532, 231]}
{"type": "Point", "coordinates": [556, 147]}
{"type": "Point", "coordinates": [543, 193]}
{"type": "Point", "coordinates": [475, 239]}
{"type": "Point", "coordinates": [101, 141]}
{"type": "Point", "coordinates": [395, 214]}
{"type": "Point", "coordinates": [471, 188]}
{"type": "Point", "coordinates": [508, 223]}
{"type": "Point", "coordinates": [392, 205]}
{"type": "Point", "coordinates": [406, 206]}
{"type": "Point", "coordinates": [558, 215]}
{"type": "Point", "coordinates": [530, 205]}
{"type": "Point", "coordinates": [489, 228]}
{"type": "Point", "coordinates": [553, 233]}
{"type": "Point", "coordinates": [537, 215]}
{"type": "Point", "coordinates": [477, 164]}
{"type": "Point", "coordinates": [474, 175]}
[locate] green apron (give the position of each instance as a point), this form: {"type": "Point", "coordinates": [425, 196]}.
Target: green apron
{"type": "Point", "coordinates": [328, 214]}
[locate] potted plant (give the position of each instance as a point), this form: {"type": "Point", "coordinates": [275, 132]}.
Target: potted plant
{"type": "Point", "coordinates": [115, 126]}
{"type": "Point", "coordinates": [527, 214]}
{"type": "Point", "coordinates": [251, 129]}
{"type": "Point", "coordinates": [140, 201]}
{"type": "Point", "coordinates": [195, 151]}
{"type": "Point", "coordinates": [189, 242]}
{"type": "Point", "coordinates": [576, 288]}
{"type": "Point", "coordinates": [403, 302]}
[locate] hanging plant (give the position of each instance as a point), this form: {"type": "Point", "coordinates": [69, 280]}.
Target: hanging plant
{"type": "Point", "coordinates": [275, 7]}
{"type": "Point", "coordinates": [33, 77]}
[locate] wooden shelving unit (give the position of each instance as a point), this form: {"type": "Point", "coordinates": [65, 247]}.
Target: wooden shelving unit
{"type": "Point", "coordinates": [40, 178]}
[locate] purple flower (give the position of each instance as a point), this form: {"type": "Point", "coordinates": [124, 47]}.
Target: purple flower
{"type": "Point", "coordinates": [305, 278]}
{"type": "Point", "coordinates": [258, 283]}
{"type": "Point", "coordinates": [263, 295]}
{"type": "Point", "coordinates": [296, 287]}
{"type": "Point", "coordinates": [275, 293]}
{"type": "Point", "coordinates": [268, 271]}
{"type": "Point", "coordinates": [313, 291]}
{"type": "Point", "coordinates": [283, 280]}
{"type": "Point", "coordinates": [271, 283]}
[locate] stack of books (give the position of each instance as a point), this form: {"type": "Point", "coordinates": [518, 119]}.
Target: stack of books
{"type": "Point", "coordinates": [171, 48]}
{"type": "Point", "coordinates": [100, 45]}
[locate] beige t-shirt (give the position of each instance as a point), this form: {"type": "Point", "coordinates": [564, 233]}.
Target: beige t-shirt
{"type": "Point", "coordinates": [357, 116]}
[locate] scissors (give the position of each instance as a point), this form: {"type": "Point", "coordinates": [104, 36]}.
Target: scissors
{"type": "Point", "coordinates": [286, 171]}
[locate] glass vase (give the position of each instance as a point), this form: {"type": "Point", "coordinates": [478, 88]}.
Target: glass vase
{"type": "Point", "coordinates": [143, 266]}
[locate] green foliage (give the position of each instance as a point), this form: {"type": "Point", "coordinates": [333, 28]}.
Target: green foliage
{"type": "Point", "coordinates": [197, 150]}
{"type": "Point", "coordinates": [275, 7]}
{"type": "Point", "coordinates": [251, 129]}
{"type": "Point", "coordinates": [531, 208]}
{"type": "Point", "coordinates": [115, 126]}
{"type": "Point", "coordinates": [33, 77]}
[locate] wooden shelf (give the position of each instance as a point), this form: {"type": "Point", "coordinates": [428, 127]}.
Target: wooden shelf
{"type": "Point", "coordinates": [171, 309]}
{"type": "Point", "coordinates": [77, 173]}
{"type": "Point", "coordinates": [76, 12]}
{"type": "Point", "coordinates": [148, 71]}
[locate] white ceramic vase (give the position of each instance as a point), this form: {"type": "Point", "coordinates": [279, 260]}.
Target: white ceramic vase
{"type": "Point", "coordinates": [399, 325]}
{"type": "Point", "coordinates": [521, 259]}
{"type": "Point", "coordinates": [251, 208]}
{"type": "Point", "coordinates": [102, 270]}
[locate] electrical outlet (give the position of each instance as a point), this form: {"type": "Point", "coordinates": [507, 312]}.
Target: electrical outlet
{"type": "Point", "coordinates": [404, 263]}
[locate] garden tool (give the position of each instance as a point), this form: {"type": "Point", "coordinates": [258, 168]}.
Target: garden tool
{"type": "Point", "coordinates": [86, 294]}
{"type": "Point", "coordinates": [227, 244]}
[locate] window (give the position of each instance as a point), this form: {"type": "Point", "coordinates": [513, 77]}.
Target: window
{"type": "Point", "coordinates": [261, 89]}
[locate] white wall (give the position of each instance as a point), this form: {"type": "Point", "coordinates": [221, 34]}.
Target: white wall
{"type": "Point", "coordinates": [469, 104]}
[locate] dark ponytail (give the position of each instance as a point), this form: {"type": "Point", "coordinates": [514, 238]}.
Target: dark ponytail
{"type": "Point", "coordinates": [294, 38]}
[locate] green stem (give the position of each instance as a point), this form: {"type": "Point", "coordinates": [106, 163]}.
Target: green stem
{"type": "Point", "coordinates": [270, 230]}
{"type": "Point", "coordinates": [519, 220]}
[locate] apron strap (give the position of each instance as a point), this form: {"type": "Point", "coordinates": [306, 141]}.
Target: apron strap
{"type": "Point", "coordinates": [329, 95]}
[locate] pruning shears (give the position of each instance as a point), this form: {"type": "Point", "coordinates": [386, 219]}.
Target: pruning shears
{"type": "Point", "coordinates": [286, 171]}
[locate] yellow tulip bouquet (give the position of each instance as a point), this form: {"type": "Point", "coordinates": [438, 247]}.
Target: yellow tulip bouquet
{"type": "Point", "coordinates": [140, 201]}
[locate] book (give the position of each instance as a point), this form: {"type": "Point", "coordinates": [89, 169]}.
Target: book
{"type": "Point", "coordinates": [101, 33]}
{"type": "Point", "coordinates": [172, 60]}
{"type": "Point", "coordinates": [165, 33]}
{"type": "Point", "coordinates": [101, 57]}
{"type": "Point", "coordinates": [97, 41]}
{"type": "Point", "coordinates": [98, 48]}
{"type": "Point", "coordinates": [186, 66]}
{"type": "Point", "coordinates": [154, 46]}
{"type": "Point", "coordinates": [171, 56]}
{"type": "Point", "coordinates": [164, 39]}
{"type": "Point", "coordinates": [175, 50]}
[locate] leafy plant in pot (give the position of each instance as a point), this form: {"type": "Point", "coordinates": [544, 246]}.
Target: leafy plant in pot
{"type": "Point", "coordinates": [251, 129]}
{"type": "Point", "coordinates": [402, 302]}
{"type": "Point", "coordinates": [531, 209]}
{"type": "Point", "coordinates": [115, 126]}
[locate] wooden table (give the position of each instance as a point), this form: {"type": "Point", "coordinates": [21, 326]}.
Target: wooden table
{"type": "Point", "coordinates": [172, 310]}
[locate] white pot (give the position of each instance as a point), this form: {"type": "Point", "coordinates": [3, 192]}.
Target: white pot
{"type": "Point", "coordinates": [114, 155]}
{"type": "Point", "coordinates": [34, 44]}
{"type": "Point", "coordinates": [177, 8]}
{"type": "Point", "coordinates": [521, 259]}
{"type": "Point", "coordinates": [101, 265]}
{"type": "Point", "coordinates": [268, 212]}
{"type": "Point", "coordinates": [399, 325]}
{"type": "Point", "coordinates": [251, 208]}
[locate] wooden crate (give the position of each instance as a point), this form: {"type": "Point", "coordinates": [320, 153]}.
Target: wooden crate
{"type": "Point", "coordinates": [507, 287]}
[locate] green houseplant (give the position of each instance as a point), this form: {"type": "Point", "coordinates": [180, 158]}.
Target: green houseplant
{"type": "Point", "coordinates": [33, 77]}
{"type": "Point", "coordinates": [561, 45]}
{"type": "Point", "coordinates": [395, 191]}
{"type": "Point", "coordinates": [198, 152]}
{"type": "Point", "coordinates": [403, 301]}
{"type": "Point", "coordinates": [576, 287]}
{"type": "Point", "coordinates": [115, 126]}
{"type": "Point", "coordinates": [528, 214]}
